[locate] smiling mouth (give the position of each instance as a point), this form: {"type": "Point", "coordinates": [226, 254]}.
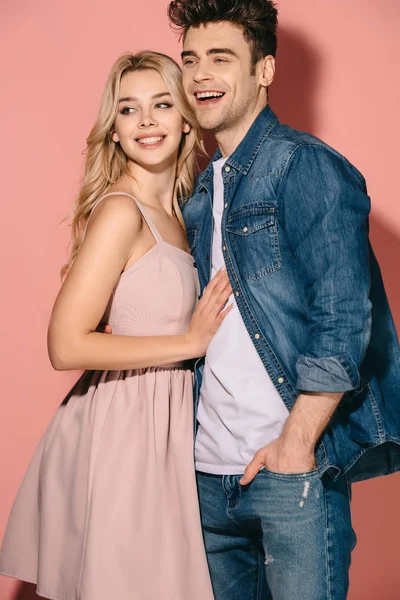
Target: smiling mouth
{"type": "Point", "coordinates": [151, 141]}
{"type": "Point", "coordinates": [208, 96]}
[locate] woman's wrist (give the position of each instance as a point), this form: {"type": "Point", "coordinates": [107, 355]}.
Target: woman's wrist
{"type": "Point", "coordinates": [191, 349]}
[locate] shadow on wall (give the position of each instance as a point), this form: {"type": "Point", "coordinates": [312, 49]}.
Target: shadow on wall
{"type": "Point", "coordinates": [386, 245]}
{"type": "Point", "coordinates": [26, 591]}
{"type": "Point", "coordinates": [298, 66]}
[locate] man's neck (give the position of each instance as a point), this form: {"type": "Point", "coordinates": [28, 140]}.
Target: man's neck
{"type": "Point", "coordinates": [229, 139]}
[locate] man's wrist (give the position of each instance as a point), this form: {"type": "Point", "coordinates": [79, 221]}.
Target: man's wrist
{"type": "Point", "coordinates": [309, 418]}
{"type": "Point", "coordinates": [299, 438]}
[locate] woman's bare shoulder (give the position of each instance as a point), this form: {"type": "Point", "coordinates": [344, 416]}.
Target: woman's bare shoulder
{"type": "Point", "coordinates": [116, 210]}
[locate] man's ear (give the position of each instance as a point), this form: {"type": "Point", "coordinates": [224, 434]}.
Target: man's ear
{"type": "Point", "coordinates": [266, 70]}
{"type": "Point", "coordinates": [186, 128]}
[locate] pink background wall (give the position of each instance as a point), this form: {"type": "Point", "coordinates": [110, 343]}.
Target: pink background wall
{"type": "Point", "coordinates": [337, 77]}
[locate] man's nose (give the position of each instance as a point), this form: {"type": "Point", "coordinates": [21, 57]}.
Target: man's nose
{"type": "Point", "coordinates": [202, 73]}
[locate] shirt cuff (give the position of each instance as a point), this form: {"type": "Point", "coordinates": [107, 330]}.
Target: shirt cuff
{"type": "Point", "coordinates": [328, 374]}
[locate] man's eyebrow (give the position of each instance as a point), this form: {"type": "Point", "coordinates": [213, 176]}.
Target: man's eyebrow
{"type": "Point", "coordinates": [210, 51]}
{"type": "Point", "coordinates": [189, 53]}
{"type": "Point", "coordinates": [221, 51]}
{"type": "Point", "coordinates": [154, 97]}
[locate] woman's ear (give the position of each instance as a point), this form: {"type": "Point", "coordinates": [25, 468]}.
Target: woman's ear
{"type": "Point", "coordinates": [186, 128]}
{"type": "Point", "coordinates": [114, 136]}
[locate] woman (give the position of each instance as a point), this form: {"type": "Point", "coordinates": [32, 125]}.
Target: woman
{"type": "Point", "coordinates": [108, 508]}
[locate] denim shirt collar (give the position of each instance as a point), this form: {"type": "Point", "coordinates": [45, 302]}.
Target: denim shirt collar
{"type": "Point", "coordinates": [243, 157]}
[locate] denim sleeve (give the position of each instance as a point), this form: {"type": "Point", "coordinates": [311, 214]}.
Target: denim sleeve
{"type": "Point", "coordinates": [324, 210]}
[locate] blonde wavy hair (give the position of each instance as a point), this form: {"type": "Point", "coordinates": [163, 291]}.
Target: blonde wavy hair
{"type": "Point", "coordinates": [106, 162]}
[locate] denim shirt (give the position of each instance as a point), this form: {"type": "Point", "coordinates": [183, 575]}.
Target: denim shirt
{"type": "Point", "coordinates": [307, 285]}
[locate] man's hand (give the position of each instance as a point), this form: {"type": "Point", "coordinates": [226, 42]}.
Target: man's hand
{"type": "Point", "coordinates": [280, 456]}
{"type": "Point", "coordinates": [294, 450]}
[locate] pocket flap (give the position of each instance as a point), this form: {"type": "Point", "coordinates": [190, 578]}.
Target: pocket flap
{"type": "Point", "coordinates": [251, 219]}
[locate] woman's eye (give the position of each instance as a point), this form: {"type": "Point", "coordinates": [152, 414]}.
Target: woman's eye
{"type": "Point", "coordinates": [127, 110]}
{"type": "Point", "coordinates": [163, 105]}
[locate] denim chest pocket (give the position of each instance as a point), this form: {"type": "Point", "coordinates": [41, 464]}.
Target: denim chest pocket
{"type": "Point", "coordinates": [253, 234]}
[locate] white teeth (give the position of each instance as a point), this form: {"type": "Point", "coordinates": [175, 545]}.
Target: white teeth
{"type": "Point", "coordinates": [209, 94]}
{"type": "Point", "coordinates": [150, 140]}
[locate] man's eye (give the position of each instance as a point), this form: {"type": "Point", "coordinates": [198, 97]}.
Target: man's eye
{"type": "Point", "coordinates": [188, 63]}
{"type": "Point", "coordinates": [163, 105]}
{"type": "Point", "coordinates": [220, 60]}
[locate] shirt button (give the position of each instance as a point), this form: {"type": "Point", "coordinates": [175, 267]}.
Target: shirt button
{"type": "Point", "coordinates": [227, 169]}
{"type": "Point", "coordinates": [226, 205]}
{"type": "Point", "coordinates": [257, 336]}
{"type": "Point", "coordinates": [280, 380]}
{"type": "Point", "coordinates": [237, 293]}
{"type": "Point", "coordinates": [224, 248]}
{"type": "Point", "coordinates": [245, 229]}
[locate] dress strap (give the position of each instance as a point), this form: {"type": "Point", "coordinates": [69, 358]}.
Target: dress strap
{"type": "Point", "coordinates": [146, 218]}
{"type": "Point", "coordinates": [149, 222]}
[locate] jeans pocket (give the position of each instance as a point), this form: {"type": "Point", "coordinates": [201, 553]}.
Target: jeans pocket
{"type": "Point", "coordinates": [291, 476]}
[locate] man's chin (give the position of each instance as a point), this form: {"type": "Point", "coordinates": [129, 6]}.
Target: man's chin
{"type": "Point", "coordinates": [209, 122]}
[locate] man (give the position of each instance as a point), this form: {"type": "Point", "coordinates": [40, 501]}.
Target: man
{"type": "Point", "coordinates": [298, 394]}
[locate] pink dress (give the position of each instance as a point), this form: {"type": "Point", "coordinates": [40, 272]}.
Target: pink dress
{"type": "Point", "coordinates": [108, 508]}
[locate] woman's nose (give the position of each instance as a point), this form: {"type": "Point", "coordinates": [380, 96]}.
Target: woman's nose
{"type": "Point", "coordinates": [147, 120]}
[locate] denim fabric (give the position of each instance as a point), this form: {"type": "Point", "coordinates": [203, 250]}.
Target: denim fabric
{"type": "Point", "coordinates": [308, 287]}
{"type": "Point", "coordinates": [281, 537]}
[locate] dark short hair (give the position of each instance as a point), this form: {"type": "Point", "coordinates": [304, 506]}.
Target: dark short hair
{"type": "Point", "coordinates": [258, 19]}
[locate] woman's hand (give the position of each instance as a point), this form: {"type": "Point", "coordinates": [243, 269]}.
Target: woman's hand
{"type": "Point", "coordinates": [209, 313]}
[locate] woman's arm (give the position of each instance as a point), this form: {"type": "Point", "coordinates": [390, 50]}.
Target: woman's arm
{"type": "Point", "coordinates": [73, 342]}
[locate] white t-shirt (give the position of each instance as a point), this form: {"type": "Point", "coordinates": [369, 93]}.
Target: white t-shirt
{"type": "Point", "coordinates": [239, 409]}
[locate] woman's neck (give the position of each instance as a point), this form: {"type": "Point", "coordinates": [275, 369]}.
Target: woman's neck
{"type": "Point", "coordinates": [153, 186]}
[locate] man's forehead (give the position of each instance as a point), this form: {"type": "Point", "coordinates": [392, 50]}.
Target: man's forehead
{"type": "Point", "coordinates": [213, 35]}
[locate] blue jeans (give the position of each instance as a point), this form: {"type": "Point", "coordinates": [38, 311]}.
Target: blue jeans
{"type": "Point", "coordinates": [282, 537]}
